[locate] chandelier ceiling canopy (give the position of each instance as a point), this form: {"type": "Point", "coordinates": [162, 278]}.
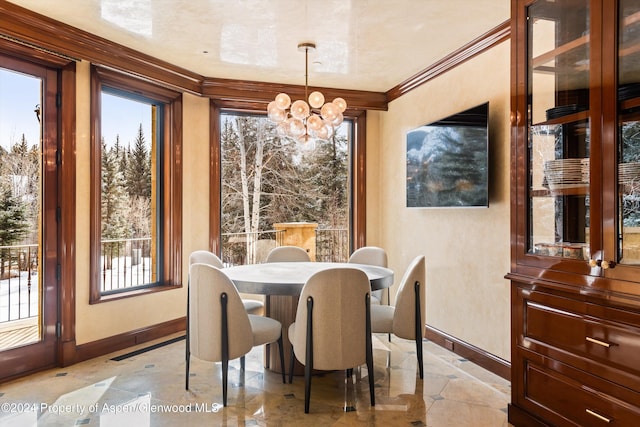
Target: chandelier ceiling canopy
{"type": "Point", "coordinates": [302, 121]}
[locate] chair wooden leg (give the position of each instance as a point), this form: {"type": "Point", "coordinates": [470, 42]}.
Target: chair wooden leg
{"type": "Point", "coordinates": [225, 374]}
{"type": "Point", "coordinates": [267, 347]}
{"type": "Point", "coordinates": [307, 387]}
{"type": "Point", "coordinates": [187, 352]}
{"type": "Point", "coordinates": [419, 352]}
{"type": "Point", "coordinates": [418, 329]}
{"type": "Point", "coordinates": [224, 347]}
{"type": "Point", "coordinates": [308, 363]}
{"type": "Point", "coordinates": [187, 359]}
{"type": "Point", "coordinates": [369, 355]}
{"type": "Point", "coordinates": [291, 365]}
{"type": "Point", "coordinates": [281, 349]}
{"type": "Point", "coordinates": [370, 368]}
{"type": "Point", "coordinates": [186, 378]}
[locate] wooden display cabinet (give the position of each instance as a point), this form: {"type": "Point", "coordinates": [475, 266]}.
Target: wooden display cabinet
{"type": "Point", "coordinates": [575, 195]}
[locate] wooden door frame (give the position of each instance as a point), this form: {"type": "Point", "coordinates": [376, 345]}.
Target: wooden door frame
{"type": "Point", "coordinates": [63, 70]}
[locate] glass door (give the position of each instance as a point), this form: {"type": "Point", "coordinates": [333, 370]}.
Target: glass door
{"type": "Point", "coordinates": [558, 130]}
{"type": "Point", "coordinates": [28, 223]}
{"type": "Point", "coordinates": [624, 260]}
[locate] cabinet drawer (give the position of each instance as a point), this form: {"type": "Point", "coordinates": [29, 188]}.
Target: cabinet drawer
{"type": "Point", "coordinates": [568, 331]}
{"type": "Point", "coordinates": [567, 402]}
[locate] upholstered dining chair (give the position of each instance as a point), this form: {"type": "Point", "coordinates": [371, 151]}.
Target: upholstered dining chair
{"type": "Point", "coordinates": [407, 318]}
{"type": "Point", "coordinates": [218, 327]}
{"type": "Point", "coordinates": [332, 329]}
{"type": "Point", "coordinates": [371, 255]}
{"type": "Point", "coordinates": [288, 254]}
{"type": "Point", "coordinates": [205, 257]}
{"type": "Point", "coordinates": [283, 254]}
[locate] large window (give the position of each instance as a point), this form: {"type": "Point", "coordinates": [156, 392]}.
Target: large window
{"type": "Point", "coordinates": [268, 181]}
{"type": "Point", "coordinates": [136, 176]}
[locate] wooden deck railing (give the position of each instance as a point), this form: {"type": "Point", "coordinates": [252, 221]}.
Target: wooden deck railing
{"type": "Point", "coordinates": [332, 245]}
{"type": "Point", "coordinates": [18, 282]}
{"type": "Point", "coordinates": [127, 263]}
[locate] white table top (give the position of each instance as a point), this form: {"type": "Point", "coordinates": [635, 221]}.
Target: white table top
{"type": "Point", "coordinates": [288, 278]}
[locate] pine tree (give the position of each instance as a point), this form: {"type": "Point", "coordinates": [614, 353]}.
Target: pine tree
{"type": "Point", "coordinates": [34, 166]}
{"type": "Point", "coordinates": [14, 225]}
{"type": "Point", "coordinates": [3, 161]}
{"type": "Point", "coordinates": [113, 203]}
{"type": "Point", "coordinates": [326, 171]}
{"type": "Point", "coordinates": [21, 170]}
{"type": "Point", "coordinates": [21, 148]}
{"type": "Point", "coordinates": [138, 168]}
{"type": "Point", "coordinates": [121, 155]}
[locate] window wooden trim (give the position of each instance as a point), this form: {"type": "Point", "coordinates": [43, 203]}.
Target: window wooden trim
{"type": "Point", "coordinates": [171, 250]}
{"type": "Point", "coordinates": [359, 182]}
{"type": "Point", "coordinates": [358, 170]}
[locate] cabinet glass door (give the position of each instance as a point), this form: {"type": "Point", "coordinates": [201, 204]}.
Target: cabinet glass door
{"type": "Point", "coordinates": [629, 132]}
{"type": "Point", "coordinates": [558, 123]}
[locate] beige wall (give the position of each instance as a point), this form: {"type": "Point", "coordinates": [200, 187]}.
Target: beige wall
{"type": "Point", "coordinates": [94, 322]}
{"type": "Point", "coordinates": [467, 249]}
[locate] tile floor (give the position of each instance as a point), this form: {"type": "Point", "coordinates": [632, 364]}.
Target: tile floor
{"type": "Point", "coordinates": [147, 389]}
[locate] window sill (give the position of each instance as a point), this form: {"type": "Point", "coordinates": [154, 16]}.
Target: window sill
{"type": "Point", "coordinates": [135, 293]}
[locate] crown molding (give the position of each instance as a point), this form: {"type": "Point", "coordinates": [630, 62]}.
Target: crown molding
{"type": "Point", "coordinates": [39, 32]}
{"type": "Point", "coordinates": [45, 36]}
{"type": "Point", "coordinates": [480, 45]}
{"type": "Point", "coordinates": [239, 94]}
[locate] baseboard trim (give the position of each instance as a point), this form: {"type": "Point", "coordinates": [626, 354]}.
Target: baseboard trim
{"type": "Point", "coordinates": [476, 355]}
{"type": "Point", "coordinates": [521, 418]}
{"type": "Point", "coordinates": [128, 339]}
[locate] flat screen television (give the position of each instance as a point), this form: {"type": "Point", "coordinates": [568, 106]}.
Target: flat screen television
{"type": "Point", "coordinates": [448, 161]}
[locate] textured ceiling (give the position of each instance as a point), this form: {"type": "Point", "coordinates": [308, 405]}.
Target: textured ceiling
{"type": "Point", "coordinates": [361, 44]}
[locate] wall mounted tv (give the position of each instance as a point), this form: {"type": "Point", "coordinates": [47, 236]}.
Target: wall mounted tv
{"type": "Point", "coordinates": [448, 161]}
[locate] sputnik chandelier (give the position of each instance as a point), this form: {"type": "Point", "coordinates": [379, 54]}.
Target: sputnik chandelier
{"type": "Point", "coordinates": [301, 121]}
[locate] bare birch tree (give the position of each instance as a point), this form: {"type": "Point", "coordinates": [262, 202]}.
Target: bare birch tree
{"type": "Point", "coordinates": [267, 179]}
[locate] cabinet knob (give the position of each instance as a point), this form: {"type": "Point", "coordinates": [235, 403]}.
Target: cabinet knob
{"type": "Point", "coordinates": [608, 264]}
{"type": "Point", "coordinates": [600, 263]}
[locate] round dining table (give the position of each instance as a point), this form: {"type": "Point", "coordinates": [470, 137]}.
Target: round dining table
{"type": "Point", "coordinates": [288, 278]}
{"type": "Point", "coordinates": [282, 283]}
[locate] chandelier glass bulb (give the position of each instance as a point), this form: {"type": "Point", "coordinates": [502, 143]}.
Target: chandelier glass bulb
{"type": "Point", "coordinates": [316, 99]}
{"type": "Point", "coordinates": [314, 123]}
{"type": "Point", "coordinates": [304, 121]}
{"type": "Point", "coordinates": [300, 109]}
{"type": "Point", "coordinates": [282, 101]}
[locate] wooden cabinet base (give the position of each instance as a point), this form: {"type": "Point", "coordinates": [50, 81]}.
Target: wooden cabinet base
{"type": "Point", "coordinates": [521, 418]}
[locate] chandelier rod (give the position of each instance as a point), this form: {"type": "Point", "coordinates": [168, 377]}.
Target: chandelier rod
{"type": "Point", "coordinates": [307, 46]}
{"type": "Point", "coordinates": [306, 72]}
